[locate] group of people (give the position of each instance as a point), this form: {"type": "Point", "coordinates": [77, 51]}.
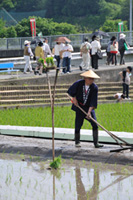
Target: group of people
{"type": "Point", "coordinates": [63, 54]}
{"type": "Point", "coordinates": [88, 52]}
{"type": "Point", "coordinates": [41, 51]}
{"type": "Point", "coordinates": [114, 47]}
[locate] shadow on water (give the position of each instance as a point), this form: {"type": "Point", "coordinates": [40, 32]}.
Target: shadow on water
{"type": "Point", "coordinates": [32, 179]}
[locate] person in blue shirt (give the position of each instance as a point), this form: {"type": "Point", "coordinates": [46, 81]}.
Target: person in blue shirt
{"type": "Point", "coordinates": [85, 93]}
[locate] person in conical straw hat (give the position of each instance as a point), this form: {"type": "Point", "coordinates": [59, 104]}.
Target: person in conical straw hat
{"type": "Point", "coordinates": [84, 93]}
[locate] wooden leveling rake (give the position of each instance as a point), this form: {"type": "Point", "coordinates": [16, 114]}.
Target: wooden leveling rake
{"type": "Point", "coordinates": [118, 140]}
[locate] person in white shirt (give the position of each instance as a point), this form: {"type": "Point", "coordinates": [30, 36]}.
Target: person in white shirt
{"type": "Point", "coordinates": [67, 55]}
{"type": "Point", "coordinates": [95, 45]}
{"type": "Point", "coordinates": [119, 97]}
{"type": "Point", "coordinates": [58, 52]}
{"type": "Point", "coordinates": [46, 48]}
{"type": "Point", "coordinates": [27, 55]}
{"type": "Point", "coordinates": [85, 53]}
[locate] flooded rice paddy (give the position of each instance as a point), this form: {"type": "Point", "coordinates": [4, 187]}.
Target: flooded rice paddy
{"type": "Point", "coordinates": [30, 178]}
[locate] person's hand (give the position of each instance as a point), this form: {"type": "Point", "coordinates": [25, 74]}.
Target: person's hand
{"type": "Point", "coordinates": [89, 114]}
{"type": "Point", "coordinates": [75, 102]}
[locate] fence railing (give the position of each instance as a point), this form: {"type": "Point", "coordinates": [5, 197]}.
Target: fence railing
{"type": "Point", "coordinates": [76, 40]}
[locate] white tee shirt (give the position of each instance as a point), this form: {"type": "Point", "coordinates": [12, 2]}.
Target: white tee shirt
{"type": "Point", "coordinates": [58, 48]}
{"type": "Point", "coordinates": [46, 48]}
{"type": "Point", "coordinates": [127, 78]}
{"type": "Point", "coordinates": [95, 46]}
{"type": "Point", "coordinates": [67, 53]}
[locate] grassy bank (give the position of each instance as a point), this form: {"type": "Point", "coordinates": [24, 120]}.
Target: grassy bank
{"type": "Point", "coordinates": [114, 117]}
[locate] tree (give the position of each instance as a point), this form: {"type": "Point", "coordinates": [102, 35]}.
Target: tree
{"type": "Point", "coordinates": [8, 4]}
{"type": "Point", "coordinates": [112, 25]}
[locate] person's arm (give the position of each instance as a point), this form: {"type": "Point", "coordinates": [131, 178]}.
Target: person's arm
{"type": "Point", "coordinates": [93, 102]}
{"type": "Point", "coordinates": [90, 110]}
{"type": "Point", "coordinates": [99, 45]}
{"type": "Point", "coordinates": [30, 51]}
{"type": "Point", "coordinates": [72, 91]}
{"type": "Point", "coordinates": [121, 74]}
{"type": "Point", "coordinates": [70, 49]}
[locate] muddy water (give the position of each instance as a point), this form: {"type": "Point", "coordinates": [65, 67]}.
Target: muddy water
{"type": "Point", "coordinates": [28, 178]}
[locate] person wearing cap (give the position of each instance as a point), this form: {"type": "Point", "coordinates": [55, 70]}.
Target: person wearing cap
{"type": "Point", "coordinates": [39, 54]}
{"type": "Point", "coordinates": [85, 54]}
{"type": "Point", "coordinates": [95, 45]}
{"type": "Point", "coordinates": [121, 48]}
{"type": "Point", "coordinates": [27, 54]}
{"type": "Point", "coordinates": [85, 93]}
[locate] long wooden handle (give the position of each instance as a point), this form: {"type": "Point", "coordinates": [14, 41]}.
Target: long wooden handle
{"type": "Point", "coordinates": [116, 138]}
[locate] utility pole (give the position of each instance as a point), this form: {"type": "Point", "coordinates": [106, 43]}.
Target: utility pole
{"type": "Point", "coordinates": [130, 22]}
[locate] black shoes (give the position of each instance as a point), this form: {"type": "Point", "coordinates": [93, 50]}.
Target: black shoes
{"type": "Point", "coordinates": [98, 145]}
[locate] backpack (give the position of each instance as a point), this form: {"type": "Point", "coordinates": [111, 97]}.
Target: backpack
{"type": "Point", "coordinates": [84, 48]}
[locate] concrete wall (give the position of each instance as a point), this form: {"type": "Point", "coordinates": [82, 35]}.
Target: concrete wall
{"type": "Point", "coordinates": [106, 75]}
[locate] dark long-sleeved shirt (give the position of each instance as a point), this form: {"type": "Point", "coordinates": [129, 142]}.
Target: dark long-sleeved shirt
{"type": "Point", "coordinates": [76, 90]}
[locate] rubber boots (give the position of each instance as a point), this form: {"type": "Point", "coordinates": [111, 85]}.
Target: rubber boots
{"type": "Point", "coordinates": [77, 139]}
{"type": "Point", "coordinates": [95, 139]}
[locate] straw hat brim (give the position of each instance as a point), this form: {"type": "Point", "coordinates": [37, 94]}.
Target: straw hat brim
{"type": "Point", "coordinates": [90, 74]}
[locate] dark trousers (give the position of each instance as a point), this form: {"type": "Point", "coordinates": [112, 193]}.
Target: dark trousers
{"type": "Point", "coordinates": [126, 90]}
{"type": "Point", "coordinates": [58, 60]}
{"type": "Point", "coordinates": [80, 119]}
{"type": "Point", "coordinates": [108, 58]}
{"type": "Point", "coordinates": [113, 58]}
{"type": "Point", "coordinates": [94, 61]}
{"type": "Point", "coordinates": [66, 64]}
{"type": "Point", "coordinates": [122, 60]}
{"type": "Point", "coordinates": [79, 122]}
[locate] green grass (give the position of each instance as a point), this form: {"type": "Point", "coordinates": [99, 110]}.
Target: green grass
{"type": "Point", "coordinates": [114, 117]}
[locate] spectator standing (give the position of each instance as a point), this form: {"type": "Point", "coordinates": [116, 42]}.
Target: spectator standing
{"type": "Point", "coordinates": [85, 94]}
{"type": "Point", "coordinates": [108, 53]}
{"type": "Point", "coordinates": [121, 48]}
{"type": "Point", "coordinates": [27, 55]}
{"type": "Point", "coordinates": [67, 55]}
{"type": "Point", "coordinates": [125, 75]}
{"type": "Point", "coordinates": [85, 53]}
{"type": "Point", "coordinates": [46, 48]}
{"type": "Point", "coordinates": [113, 50]}
{"type": "Point", "coordinates": [39, 54]}
{"type": "Point", "coordinates": [58, 53]}
{"type": "Point", "coordinates": [95, 46]}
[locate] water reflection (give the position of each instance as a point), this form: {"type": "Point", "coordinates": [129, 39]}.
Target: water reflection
{"type": "Point", "coordinates": [74, 181]}
{"type": "Point", "coordinates": [93, 191]}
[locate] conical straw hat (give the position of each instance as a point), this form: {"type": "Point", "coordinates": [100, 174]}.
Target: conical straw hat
{"type": "Point", "coordinates": [90, 74]}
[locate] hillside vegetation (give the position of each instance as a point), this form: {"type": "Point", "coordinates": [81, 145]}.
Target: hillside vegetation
{"type": "Point", "coordinates": [85, 16]}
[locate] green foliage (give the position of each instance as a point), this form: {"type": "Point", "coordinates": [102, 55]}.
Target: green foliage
{"type": "Point", "coordinates": [114, 117]}
{"type": "Point", "coordinates": [11, 32]}
{"type": "Point", "coordinates": [56, 163]}
{"type": "Point", "coordinates": [41, 60]}
{"type": "Point", "coordinates": [50, 61]}
{"type": "Point", "coordinates": [7, 4]}
{"type": "Point", "coordinates": [84, 15]}
{"type": "Point", "coordinates": [112, 25]}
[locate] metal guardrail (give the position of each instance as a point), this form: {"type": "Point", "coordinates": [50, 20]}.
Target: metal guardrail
{"type": "Point", "coordinates": [76, 40]}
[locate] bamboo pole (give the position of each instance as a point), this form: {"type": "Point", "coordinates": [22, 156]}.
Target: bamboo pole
{"type": "Point", "coordinates": [52, 98]}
